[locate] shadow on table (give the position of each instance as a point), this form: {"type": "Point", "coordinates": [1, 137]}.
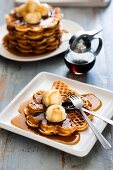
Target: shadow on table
{"type": "Point", "coordinates": [82, 78]}
{"type": "Point", "coordinates": [50, 62]}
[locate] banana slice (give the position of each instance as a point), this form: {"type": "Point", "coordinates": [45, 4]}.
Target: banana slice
{"type": "Point", "coordinates": [21, 11]}
{"type": "Point", "coordinates": [32, 18]}
{"type": "Point", "coordinates": [32, 11]}
{"type": "Point", "coordinates": [43, 9]}
{"type": "Point", "coordinates": [32, 5]}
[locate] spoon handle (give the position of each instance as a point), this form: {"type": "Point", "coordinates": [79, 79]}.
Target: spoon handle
{"type": "Point", "coordinates": [94, 32]}
{"type": "Point", "coordinates": [100, 137]}
{"type": "Point", "coordinates": [99, 116]}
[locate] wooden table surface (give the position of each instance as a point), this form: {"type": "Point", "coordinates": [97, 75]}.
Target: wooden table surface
{"type": "Point", "coordinates": [20, 153]}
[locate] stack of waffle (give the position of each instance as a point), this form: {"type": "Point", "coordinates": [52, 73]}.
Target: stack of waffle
{"type": "Point", "coordinates": [37, 38]}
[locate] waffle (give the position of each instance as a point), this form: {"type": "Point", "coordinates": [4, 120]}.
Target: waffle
{"type": "Point", "coordinates": [35, 113]}
{"type": "Point", "coordinates": [33, 38]}
{"type": "Point", "coordinates": [40, 123]}
{"type": "Point", "coordinates": [63, 89]}
{"type": "Point", "coordinates": [63, 129]}
{"type": "Point", "coordinates": [76, 116]}
{"type": "Point", "coordinates": [35, 118]}
{"type": "Point", "coordinates": [78, 120]}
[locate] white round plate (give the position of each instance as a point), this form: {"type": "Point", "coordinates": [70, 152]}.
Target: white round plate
{"type": "Point", "coordinates": [71, 26]}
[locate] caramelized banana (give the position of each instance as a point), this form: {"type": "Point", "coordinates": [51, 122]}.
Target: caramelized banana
{"type": "Point", "coordinates": [35, 107]}
{"type": "Point", "coordinates": [43, 9]}
{"type": "Point", "coordinates": [32, 18]}
{"type": "Point", "coordinates": [32, 5]}
{"type": "Point", "coordinates": [21, 11]}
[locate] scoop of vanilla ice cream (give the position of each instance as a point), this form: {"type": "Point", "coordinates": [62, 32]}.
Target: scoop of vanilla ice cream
{"type": "Point", "coordinates": [55, 113]}
{"type": "Point", "coordinates": [51, 97]}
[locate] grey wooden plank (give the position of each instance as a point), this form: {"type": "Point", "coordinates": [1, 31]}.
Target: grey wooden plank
{"type": "Point", "coordinates": [3, 142]}
{"type": "Point", "coordinates": [23, 153]}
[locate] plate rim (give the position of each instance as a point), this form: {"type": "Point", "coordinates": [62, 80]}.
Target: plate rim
{"type": "Point", "coordinates": [24, 59]}
{"type": "Point", "coordinates": [60, 146]}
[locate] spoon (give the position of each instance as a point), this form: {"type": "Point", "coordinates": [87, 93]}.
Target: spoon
{"type": "Point", "coordinates": [82, 40]}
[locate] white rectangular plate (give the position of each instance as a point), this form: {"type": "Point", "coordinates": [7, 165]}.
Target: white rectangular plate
{"type": "Point", "coordinates": [83, 3]}
{"type": "Point", "coordinates": [44, 81]}
{"type": "Point", "coordinates": [71, 2]}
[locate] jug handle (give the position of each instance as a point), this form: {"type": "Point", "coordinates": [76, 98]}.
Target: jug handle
{"type": "Point", "coordinates": [100, 43]}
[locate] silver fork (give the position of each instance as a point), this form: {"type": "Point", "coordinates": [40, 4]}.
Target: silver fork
{"type": "Point", "coordinates": [78, 103]}
{"type": "Point", "coordinates": [100, 117]}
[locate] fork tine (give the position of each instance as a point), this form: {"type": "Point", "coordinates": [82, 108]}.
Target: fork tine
{"type": "Point", "coordinates": [71, 97]}
{"type": "Point", "coordinates": [74, 96]}
{"type": "Point", "coordinates": [68, 94]}
{"type": "Point", "coordinates": [78, 97]}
